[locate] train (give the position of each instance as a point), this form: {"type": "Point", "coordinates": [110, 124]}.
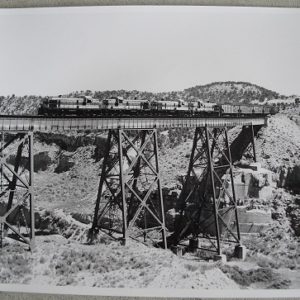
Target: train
{"type": "Point", "coordinates": [87, 106]}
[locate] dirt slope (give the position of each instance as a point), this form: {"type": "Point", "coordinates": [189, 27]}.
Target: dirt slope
{"type": "Point", "coordinates": [278, 144]}
{"type": "Point", "coordinates": [58, 261]}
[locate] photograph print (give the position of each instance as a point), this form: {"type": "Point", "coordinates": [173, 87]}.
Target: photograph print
{"type": "Point", "coordinates": [148, 147]}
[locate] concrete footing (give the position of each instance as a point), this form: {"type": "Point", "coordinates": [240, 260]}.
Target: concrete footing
{"type": "Point", "coordinates": [179, 250]}
{"type": "Point", "coordinates": [220, 257]}
{"type": "Point", "coordinates": [256, 166]}
{"type": "Point", "coordinates": [240, 252]}
{"type": "Point", "coordinates": [193, 245]}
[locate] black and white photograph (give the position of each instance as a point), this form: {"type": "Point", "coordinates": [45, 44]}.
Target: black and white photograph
{"type": "Point", "coordinates": [150, 149]}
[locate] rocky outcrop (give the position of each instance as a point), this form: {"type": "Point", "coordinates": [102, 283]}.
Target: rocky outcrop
{"type": "Point", "coordinates": [42, 161]}
{"type": "Point", "coordinates": [278, 149]}
{"type": "Point", "coordinates": [293, 212]}
{"type": "Point", "coordinates": [50, 222]}
{"type": "Point", "coordinates": [289, 177]}
{"type": "Point", "coordinates": [293, 179]}
{"type": "Point", "coordinates": [66, 142]}
{"type": "Point", "coordinates": [100, 143]}
{"type": "Point", "coordinates": [58, 222]}
{"type": "Point", "coordinates": [295, 221]}
{"type": "Point", "coordinates": [286, 209]}
{"type": "Point", "coordinates": [252, 182]}
{"type": "Point", "coordinates": [71, 143]}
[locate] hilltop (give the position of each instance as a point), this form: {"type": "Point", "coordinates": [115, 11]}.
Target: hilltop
{"type": "Point", "coordinates": [219, 92]}
{"type": "Point", "coordinates": [230, 91]}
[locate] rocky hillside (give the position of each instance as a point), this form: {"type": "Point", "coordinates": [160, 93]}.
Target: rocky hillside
{"type": "Point", "coordinates": [220, 92]}
{"type": "Point", "coordinates": [14, 105]}
{"type": "Point", "coordinates": [279, 149]}
{"type": "Point", "coordinates": [231, 92]}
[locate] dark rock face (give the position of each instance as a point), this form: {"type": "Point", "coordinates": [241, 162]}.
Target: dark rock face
{"type": "Point", "coordinates": [100, 144]}
{"type": "Point", "coordinates": [282, 177]}
{"type": "Point", "coordinates": [66, 142]}
{"type": "Point", "coordinates": [295, 221]}
{"type": "Point", "coordinates": [293, 211]}
{"type": "Point", "coordinates": [293, 179]}
{"type": "Point", "coordinates": [42, 161]}
{"type": "Point", "coordinates": [289, 178]}
{"type": "Point", "coordinates": [64, 164]}
{"type": "Point", "coordinates": [71, 143]}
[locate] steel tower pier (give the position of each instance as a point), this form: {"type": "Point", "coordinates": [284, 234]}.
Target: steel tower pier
{"type": "Point", "coordinates": [16, 187]}
{"type": "Point", "coordinates": [130, 175]}
{"type": "Point", "coordinates": [207, 206]}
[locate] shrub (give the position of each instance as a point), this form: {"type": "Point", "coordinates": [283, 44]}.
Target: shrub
{"type": "Point", "coordinates": [15, 264]}
{"type": "Point", "coordinates": [247, 277]}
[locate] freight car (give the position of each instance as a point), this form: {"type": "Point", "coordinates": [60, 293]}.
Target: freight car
{"type": "Point", "coordinates": [227, 110]}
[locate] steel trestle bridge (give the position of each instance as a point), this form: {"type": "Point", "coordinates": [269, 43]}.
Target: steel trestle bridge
{"type": "Point", "coordinates": [130, 181]}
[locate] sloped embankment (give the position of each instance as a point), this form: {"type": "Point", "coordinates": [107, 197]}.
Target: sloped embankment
{"type": "Point", "coordinates": [278, 148]}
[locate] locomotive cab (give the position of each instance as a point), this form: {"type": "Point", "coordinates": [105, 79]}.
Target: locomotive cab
{"type": "Point", "coordinates": [218, 109]}
{"type": "Point", "coordinates": [87, 100]}
{"type": "Point", "coordinates": [190, 106]}
{"type": "Point", "coordinates": [52, 103]}
{"type": "Point", "coordinates": [145, 105]}
{"type": "Point", "coordinates": [199, 104]}
{"type": "Point", "coordinates": [155, 105]}
{"type": "Point", "coordinates": [118, 101]}
{"type": "Point", "coordinates": [181, 103]}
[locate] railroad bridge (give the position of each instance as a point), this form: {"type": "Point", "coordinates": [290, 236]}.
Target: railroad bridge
{"type": "Point", "coordinates": [130, 189]}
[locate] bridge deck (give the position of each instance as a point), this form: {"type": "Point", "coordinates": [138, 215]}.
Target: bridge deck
{"type": "Point", "coordinates": [24, 123]}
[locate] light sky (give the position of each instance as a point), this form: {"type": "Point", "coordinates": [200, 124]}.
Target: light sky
{"type": "Point", "coordinates": [59, 50]}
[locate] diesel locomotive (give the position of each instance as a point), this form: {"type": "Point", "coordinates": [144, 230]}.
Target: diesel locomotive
{"type": "Point", "coordinates": [118, 107]}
